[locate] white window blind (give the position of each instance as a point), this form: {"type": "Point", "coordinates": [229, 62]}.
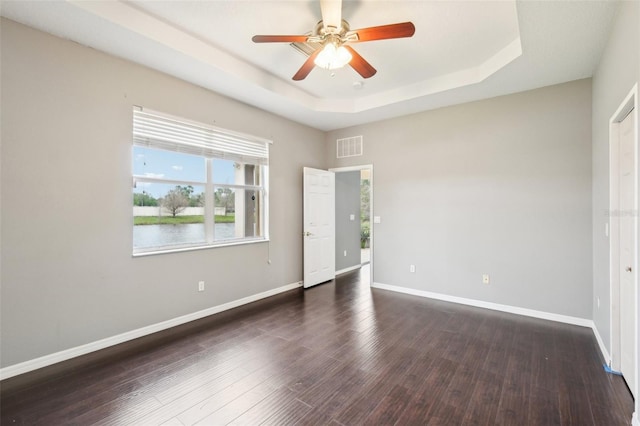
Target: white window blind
{"type": "Point", "coordinates": [161, 131]}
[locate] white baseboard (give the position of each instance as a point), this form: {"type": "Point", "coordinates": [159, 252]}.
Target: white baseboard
{"type": "Point", "coordinates": [44, 361]}
{"type": "Point", "coordinates": [603, 349]}
{"type": "Point", "coordinates": [505, 308]}
{"type": "Point", "coordinates": [349, 269]}
{"type": "Point", "coordinates": [489, 305]}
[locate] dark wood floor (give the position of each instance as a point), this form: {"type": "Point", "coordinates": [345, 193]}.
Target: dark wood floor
{"type": "Point", "coordinates": [337, 354]}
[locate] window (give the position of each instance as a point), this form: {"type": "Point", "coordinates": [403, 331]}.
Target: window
{"type": "Point", "coordinates": [196, 185]}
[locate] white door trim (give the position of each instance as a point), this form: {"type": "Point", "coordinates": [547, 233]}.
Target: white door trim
{"type": "Point", "coordinates": [372, 231]}
{"type": "Point", "coordinates": [630, 102]}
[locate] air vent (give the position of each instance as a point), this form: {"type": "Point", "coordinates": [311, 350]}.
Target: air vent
{"type": "Point", "coordinates": [349, 147]}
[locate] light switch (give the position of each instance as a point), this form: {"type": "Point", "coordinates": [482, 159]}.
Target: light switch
{"type": "Point", "coordinates": [352, 217]}
{"type": "Point", "coordinates": [376, 219]}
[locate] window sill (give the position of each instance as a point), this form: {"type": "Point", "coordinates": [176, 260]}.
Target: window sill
{"type": "Point", "coordinates": [153, 252]}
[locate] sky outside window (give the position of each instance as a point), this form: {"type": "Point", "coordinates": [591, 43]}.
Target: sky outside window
{"type": "Point", "coordinates": [161, 164]}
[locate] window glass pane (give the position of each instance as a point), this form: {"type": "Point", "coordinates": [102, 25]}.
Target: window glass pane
{"type": "Point", "coordinates": [251, 217]}
{"type": "Point", "coordinates": [224, 206]}
{"type": "Point", "coordinates": [234, 173]}
{"type": "Point", "coordinates": [237, 213]}
{"type": "Point", "coordinates": [168, 165]}
{"type": "Point", "coordinates": [167, 215]}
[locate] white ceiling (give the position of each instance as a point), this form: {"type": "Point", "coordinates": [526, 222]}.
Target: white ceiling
{"type": "Point", "coordinates": [461, 51]}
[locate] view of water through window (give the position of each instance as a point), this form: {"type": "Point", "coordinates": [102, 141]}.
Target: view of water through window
{"type": "Point", "coordinates": [174, 191]}
{"type": "Point", "coordinates": [145, 236]}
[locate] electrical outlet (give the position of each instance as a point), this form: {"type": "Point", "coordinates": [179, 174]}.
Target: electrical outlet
{"type": "Point", "coordinates": [412, 269]}
{"type": "Point", "coordinates": [200, 285]}
{"type": "Point", "coordinates": [485, 278]}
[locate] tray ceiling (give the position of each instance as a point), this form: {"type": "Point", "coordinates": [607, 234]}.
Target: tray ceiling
{"type": "Point", "coordinates": [461, 51]}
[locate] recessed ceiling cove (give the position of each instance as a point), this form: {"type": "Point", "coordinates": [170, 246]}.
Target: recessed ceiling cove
{"type": "Point", "coordinates": [455, 44]}
{"type": "Point", "coordinates": [461, 50]}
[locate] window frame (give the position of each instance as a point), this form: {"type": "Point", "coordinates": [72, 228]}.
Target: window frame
{"type": "Point", "coordinates": [209, 197]}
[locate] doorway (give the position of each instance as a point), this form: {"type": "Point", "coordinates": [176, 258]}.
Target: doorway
{"type": "Point", "coordinates": [623, 218]}
{"type": "Point", "coordinates": [354, 210]}
{"type": "Point", "coordinates": [365, 217]}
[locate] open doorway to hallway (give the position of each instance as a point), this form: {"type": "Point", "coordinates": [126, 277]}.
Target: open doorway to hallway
{"type": "Point", "coordinates": [365, 216]}
{"type": "Point", "coordinates": [354, 213]}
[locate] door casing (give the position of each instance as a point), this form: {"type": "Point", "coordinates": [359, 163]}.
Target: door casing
{"type": "Point", "coordinates": [371, 204]}
{"type": "Point", "coordinates": [629, 104]}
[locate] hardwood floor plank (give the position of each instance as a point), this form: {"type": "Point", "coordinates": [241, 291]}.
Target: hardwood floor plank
{"type": "Point", "coordinates": [501, 345]}
{"type": "Point", "coordinates": [604, 415]}
{"type": "Point", "coordinates": [390, 408]}
{"type": "Point", "coordinates": [399, 361]}
{"type": "Point", "coordinates": [312, 372]}
{"type": "Point", "coordinates": [290, 412]}
{"type": "Point", "coordinates": [430, 395]}
{"type": "Point", "coordinates": [122, 397]}
{"type": "Point", "coordinates": [108, 416]}
{"type": "Point", "coordinates": [416, 375]}
{"type": "Point", "coordinates": [234, 409]}
{"type": "Point", "coordinates": [331, 396]}
{"type": "Point", "coordinates": [129, 390]}
{"type": "Point", "coordinates": [214, 402]}
{"type": "Point", "coordinates": [574, 405]}
{"type": "Point", "coordinates": [368, 399]}
{"type": "Point", "coordinates": [337, 354]}
{"type": "Point", "coordinates": [172, 422]}
{"type": "Point", "coordinates": [279, 407]}
{"type": "Point", "coordinates": [483, 408]}
{"type": "Point", "coordinates": [544, 408]}
{"type": "Point", "coordinates": [270, 373]}
{"type": "Point", "coordinates": [248, 361]}
{"type": "Point", "coordinates": [116, 413]}
{"type": "Point", "coordinates": [344, 379]}
{"type": "Point", "coordinates": [544, 361]}
{"type": "Point", "coordinates": [514, 400]}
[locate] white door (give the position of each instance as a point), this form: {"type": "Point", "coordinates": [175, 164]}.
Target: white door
{"type": "Point", "coordinates": [319, 226]}
{"type": "Point", "coordinates": [627, 251]}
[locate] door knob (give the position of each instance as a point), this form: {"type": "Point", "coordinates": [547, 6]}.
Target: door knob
{"type": "Point", "coordinates": [307, 234]}
{"type": "Point", "coordinates": [628, 269]}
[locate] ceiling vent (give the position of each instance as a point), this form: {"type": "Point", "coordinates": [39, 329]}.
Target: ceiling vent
{"type": "Point", "coordinates": [349, 147]}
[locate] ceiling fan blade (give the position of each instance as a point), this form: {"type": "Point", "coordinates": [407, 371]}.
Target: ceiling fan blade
{"type": "Point", "coordinates": [306, 68]}
{"type": "Point", "coordinates": [359, 64]}
{"type": "Point", "coordinates": [331, 13]}
{"type": "Point", "coordinates": [383, 32]}
{"type": "Point", "coordinates": [279, 39]}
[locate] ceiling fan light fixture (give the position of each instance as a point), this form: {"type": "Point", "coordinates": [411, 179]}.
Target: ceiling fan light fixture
{"type": "Point", "coordinates": [332, 57]}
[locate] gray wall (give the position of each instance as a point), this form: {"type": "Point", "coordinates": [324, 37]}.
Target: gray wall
{"type": "Point", "coordinates": [617, 72]}
{"type": "Point", "coordinates": [501, 186]}
{"type": "Point", "coordinates": [347, 230]}
{"type": "Point", "coordinates": [69, 279]}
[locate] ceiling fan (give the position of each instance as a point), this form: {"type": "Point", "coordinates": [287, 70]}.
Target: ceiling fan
{"type": "Point", "coordinates": [334, 36]}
